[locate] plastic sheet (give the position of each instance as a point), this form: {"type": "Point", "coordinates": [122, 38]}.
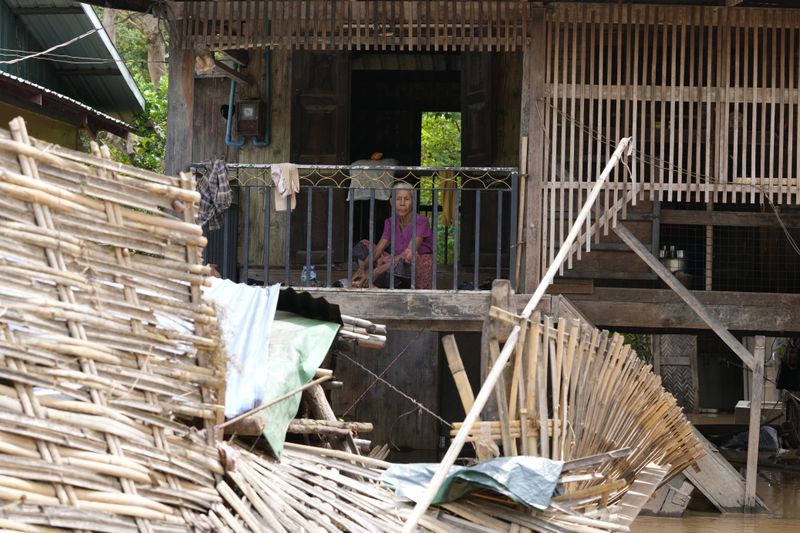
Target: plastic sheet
{"type": "Point", "coordinates": [270, 353]}
{"type": "Point", "coordinates": [527, 480]}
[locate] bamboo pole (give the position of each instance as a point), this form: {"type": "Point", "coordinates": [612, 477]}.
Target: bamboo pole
{"type": "Point", "coordinates": [508, 348]}
{"type": "Point", "coordinates": [273, 402]}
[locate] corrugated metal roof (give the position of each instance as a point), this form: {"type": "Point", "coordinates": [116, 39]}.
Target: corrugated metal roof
{"type": "Point", "coordinates": [59, 96]}
{"type": "Point", "coordinates": [106, 86]}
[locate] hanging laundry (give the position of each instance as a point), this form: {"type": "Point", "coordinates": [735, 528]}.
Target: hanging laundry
{"type": "Point", "coordinates": [215, 194]}
{"type": "Point", "coordinates": [447, 198]}
{"type": "Point", "coordinates": [361, 181]}
{"type": "Point", "coordinates": [286, 178]}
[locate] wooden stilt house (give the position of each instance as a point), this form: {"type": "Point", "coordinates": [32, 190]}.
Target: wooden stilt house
{"type": "Point", "coordinates": [708, 91]}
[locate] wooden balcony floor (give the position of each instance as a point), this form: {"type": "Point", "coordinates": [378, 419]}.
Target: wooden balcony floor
{"type": "Point", "coordinates": [618, 309]}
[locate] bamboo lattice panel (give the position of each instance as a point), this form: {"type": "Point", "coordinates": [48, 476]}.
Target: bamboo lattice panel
{"type": "Point", "coordinates": [107, 358]}
{"type": "Point", "coordinates": [709, 95]}
{"type": "Point", "coordinates": [437, 25]}
{"type": "Point", "coordinates": [575, 391]}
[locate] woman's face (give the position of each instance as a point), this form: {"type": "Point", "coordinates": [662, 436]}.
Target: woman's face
{"type": "Point", "coordinates": [402, 202]}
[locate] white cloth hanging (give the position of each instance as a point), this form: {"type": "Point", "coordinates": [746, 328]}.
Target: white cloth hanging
{"type": "Point", "coordinates": [286, 178]}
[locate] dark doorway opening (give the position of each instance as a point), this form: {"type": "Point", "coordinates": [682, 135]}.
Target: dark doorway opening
{"type": "Point", "coordinates": [389, 93]}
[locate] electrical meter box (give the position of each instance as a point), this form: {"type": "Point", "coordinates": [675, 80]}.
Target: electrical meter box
{"type": "Point", "coordinates": [250, 118]}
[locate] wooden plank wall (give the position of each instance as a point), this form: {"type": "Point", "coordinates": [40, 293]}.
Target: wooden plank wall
{"type": "Point", "coordinates": [419, 25]}
{"type": "Point", "coordinates": [709, 94]}
{"type": "Point", "coordinates": [409, 362]}
{"type": "Point", "coordinates": [277, 151]}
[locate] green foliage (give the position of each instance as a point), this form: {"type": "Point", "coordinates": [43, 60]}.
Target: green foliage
{"type": "Point", "coordinates": [441, 147]}
{"type": "Point", "coordinates": [151, 128]}
{"type": "Point", "coordinates": [132, 46]}
{"type": "Point", "coordinates": [642, 344]}
{"type": "Point", "coordinates": [150, 134]}
{"type": "Point", "coordinates": [441, 139]}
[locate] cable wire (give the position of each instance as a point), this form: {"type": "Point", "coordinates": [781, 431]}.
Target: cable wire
{"type": "Point", "coordinates": [398, 391]}
{"type": "Point", "coordinates": [55, 47]}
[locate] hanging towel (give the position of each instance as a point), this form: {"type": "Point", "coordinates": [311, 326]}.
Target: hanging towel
{"type": "Point", "coordinates": [287, 184]}
{"type": "Point", "coordinates": [447, 198]}
{"type": "Point", "coordinates": [361, 180]}
{"type": "Point", "coordinates": [215, 194]}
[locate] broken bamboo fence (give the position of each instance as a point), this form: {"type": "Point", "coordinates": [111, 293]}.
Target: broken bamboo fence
{"type": "Point", "coordinates": [109, 365]}
{"type": "Point", "coordinates": [108, 357]}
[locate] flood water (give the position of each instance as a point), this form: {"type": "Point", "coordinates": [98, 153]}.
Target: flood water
{"type": "Point", "coordinates": [779, 490]}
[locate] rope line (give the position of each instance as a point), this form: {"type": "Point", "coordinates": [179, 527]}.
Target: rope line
{"type": "Point", "coordinates": [398, 391]}
{"type": "Point", "coordinates": [385, 370]}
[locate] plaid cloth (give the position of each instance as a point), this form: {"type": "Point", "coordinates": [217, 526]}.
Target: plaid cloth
{"type": "Point", "coordinates": [215, 194]}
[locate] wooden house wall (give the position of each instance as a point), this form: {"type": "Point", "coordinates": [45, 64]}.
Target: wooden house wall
{"type": "Point", "coordinates": [41, 126]}
{"type": "Point", "coordinates": [410, 361]}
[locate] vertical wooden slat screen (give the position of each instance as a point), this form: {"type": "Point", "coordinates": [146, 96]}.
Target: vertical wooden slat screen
{"type": "Point", "coordinates": [411, 25]}
{"type": "Point", "coordinates": [710, 95]}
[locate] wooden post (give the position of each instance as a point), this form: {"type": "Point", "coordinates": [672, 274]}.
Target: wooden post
{"type": "Point", "coordinates": [180, 102]}
{"type": "Point", "coordinates": [664, 273]}
{"type": "Point", "coordinates": [532, 119]}
{"type": "Point", "coordinates": [756, 399]}
{"type": "Point", "coordinates": [459, 374]}
{"type": "Point", "coordinates": [501, 298]}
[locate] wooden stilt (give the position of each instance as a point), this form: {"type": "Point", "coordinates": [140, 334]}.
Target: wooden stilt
{"type": "Point", "coordinates": [756, 399]}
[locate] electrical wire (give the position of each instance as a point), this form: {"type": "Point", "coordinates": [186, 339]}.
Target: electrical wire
{"type": "Point", "coordinates": [66, 58]}
{"type": "Point", "coordinates": [55, 47]}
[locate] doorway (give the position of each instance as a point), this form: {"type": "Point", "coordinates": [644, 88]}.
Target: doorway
{"type": "Point", "coordinates": [390, 93]}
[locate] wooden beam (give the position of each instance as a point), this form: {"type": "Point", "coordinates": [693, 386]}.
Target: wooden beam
{"type": "Point", "coordinates": [756, 399]}
{"type": "Point", "coordinates": [408, 309]}
{"type": "Point", "coordinates": [142, 6]}
{"type": "Point", "coordinates": [664, 273]}
{"type": "Point", "coordinates": [180, 102]}
{"type": "Point", "coordinates": [459, 374]}
{"type": "Point", "coordinates": [240, 57]}
{"type": "Point", "coordinates": [727, 218]}
{"type": "Point", "coordinates": [230, 73]}
{"type": "Point", "coordinates": [533, 61]}
{"type": "Point", "coordinates": [614, 308]}
{"type": "Point", "coordinates": [662, 309]}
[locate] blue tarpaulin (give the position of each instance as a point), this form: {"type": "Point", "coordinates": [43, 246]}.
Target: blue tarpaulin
{"type": "Point", "coordinates": [527, 480]}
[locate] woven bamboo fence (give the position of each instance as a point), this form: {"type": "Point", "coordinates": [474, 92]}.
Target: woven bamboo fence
{"type": "Point", "coordinates": [108, 360]}
{"type": "Point", "coordinates": [575, 391]}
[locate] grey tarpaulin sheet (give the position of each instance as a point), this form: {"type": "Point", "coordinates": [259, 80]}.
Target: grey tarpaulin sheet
{"type": "Point", "coordinates": [527, 480]}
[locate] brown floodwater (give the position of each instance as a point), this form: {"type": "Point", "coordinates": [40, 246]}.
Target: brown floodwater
{"type": "Point", "coordinates": [779, 490]}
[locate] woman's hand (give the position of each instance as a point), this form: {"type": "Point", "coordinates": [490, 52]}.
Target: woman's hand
{"type": "Point", "coordinates": [360, 279]}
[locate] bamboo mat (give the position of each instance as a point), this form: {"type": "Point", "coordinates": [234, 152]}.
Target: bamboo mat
{"type": "Point", "coordinates": [108, 357]}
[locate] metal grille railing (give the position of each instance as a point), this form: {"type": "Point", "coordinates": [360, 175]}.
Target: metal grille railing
{"type": "Point", "coordinates": [472, 213]}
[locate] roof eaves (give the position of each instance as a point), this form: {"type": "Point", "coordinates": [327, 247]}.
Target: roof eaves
{"type": "Point", "coordinates": [112, 50]}
{"type": "Point", "coordinates": [106, 122]}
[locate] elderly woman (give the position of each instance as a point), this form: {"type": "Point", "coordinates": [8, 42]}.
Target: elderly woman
{"type": "Point", "coordinates": [405, 220]}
